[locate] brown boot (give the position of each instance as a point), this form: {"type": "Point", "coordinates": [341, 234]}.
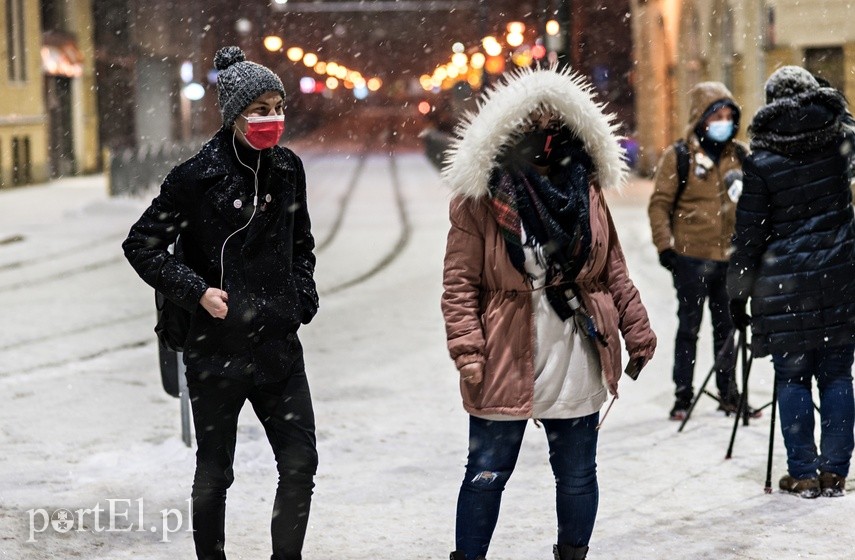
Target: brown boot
{"type": "Point", "coordinates": [832, 485]}
{"type": "Point", "coordinates": [806, 487]}
{"type": "Point", "coordinates": [567, 552]}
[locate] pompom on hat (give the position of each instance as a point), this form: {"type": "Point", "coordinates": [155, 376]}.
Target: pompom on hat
{"type": "Point", "coordinates": [789, 81]}
{"type": "Point", "coordinates": [240, 82]}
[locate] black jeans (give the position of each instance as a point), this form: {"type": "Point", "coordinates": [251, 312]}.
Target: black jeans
{"type": "Point", "coordinates": [285, 410]}
{"type": "Point", "coordinates": [697, 280]}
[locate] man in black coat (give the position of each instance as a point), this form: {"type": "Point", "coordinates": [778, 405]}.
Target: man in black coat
{"type": "Point", "coordinates": [794, 256]}
{"type": "Point", "coordinates": [238, 212]}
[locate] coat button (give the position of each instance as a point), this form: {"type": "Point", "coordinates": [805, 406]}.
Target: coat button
{"type": "Point", "coordinates": [237, 203]}
{"type": "Point", "coordinates": [267, 197]}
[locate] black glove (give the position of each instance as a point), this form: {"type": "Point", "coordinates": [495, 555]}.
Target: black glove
{"type": "Point", "coordinates": [738, 315]}
{"type": "Point", "coordinates": [668, 259]}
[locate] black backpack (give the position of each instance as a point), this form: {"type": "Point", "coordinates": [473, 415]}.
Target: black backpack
{"type": "Point", "coordinates": [681, 148]}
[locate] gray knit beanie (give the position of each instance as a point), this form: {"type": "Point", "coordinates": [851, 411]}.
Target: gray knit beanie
{"type": "Point", "coordinates": [788, 81]}
{"type": "Point", "coordinates": [240, 82]}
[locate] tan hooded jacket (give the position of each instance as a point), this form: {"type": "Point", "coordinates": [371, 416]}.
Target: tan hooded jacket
{"type": "Point", "coordinates": [705, 216]}
{"type": "Point", "coordinates": [487, 303]}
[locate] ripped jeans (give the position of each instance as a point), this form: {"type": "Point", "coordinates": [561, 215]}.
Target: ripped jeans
{"type": "Point", "coordinates": [493, 450]}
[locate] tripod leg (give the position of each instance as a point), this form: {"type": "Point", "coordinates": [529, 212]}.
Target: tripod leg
{"type": "Point", "coordinates": [768, 487]}
{"type": "Point", "coordinates": [741, 347]}
{"type": "Point", "coordinates": [695, 400]}
{"type": "Point", "coordinates": [703, 390]}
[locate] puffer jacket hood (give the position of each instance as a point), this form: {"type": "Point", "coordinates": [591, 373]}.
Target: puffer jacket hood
{"type": "Point", "coordinates": [704, 95]}
{"type": "Point", "coordinates": [808, 122]}
{"type": "Point", "coordinates": [504, 111]}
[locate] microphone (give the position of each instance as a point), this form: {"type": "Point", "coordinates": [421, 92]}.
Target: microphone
{"type": "Point", "coordinates": [733, 182]}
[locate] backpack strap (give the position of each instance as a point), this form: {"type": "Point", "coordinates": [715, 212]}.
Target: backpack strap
{"type": "Point", "coordinates": [681, 148]}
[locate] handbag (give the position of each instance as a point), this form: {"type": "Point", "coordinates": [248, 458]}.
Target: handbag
{"type": "Point", "coordinates": [173, 321]}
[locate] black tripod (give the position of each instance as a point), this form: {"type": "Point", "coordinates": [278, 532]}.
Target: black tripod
{"type": "Point", "coordinates": [723, 356]}
{"type": "Point", "coordinates": [742, 410]}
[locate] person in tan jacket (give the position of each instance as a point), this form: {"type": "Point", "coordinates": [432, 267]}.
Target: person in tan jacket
{"type": "Point", "coordinates": [536, 295]}
{"type": "Point", "coordinates": [692, 231]}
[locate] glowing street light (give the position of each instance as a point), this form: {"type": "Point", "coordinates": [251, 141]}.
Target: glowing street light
{"type": "Point", "coordinates": [458, 47]}
{"type": "Point", "coordinates": [294, 54]}
{"type": "Point", "coordinates": [552, 27]}
{"type": "Point", "coordinates": [272, 43]}
{"type": "Point", "coordinates": [516, 27]}
{"type": "Point", "coordinates": [374, 84]}
{"type": "Point", "coordinates": [515, 39]}
{"type": "Point", "coordinates": [332, 83]}
{"type": "Point", "coordinates": [491, 46]}
{"type": "Point", "coordinates": [310, 59]}
{"type": "Point", "coordinates": [477, 60]}
{"type": "Point", "coordinates": [460, 60]}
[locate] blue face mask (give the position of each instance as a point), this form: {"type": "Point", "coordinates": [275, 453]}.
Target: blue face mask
{"type": "Point", "coordinates": [720, 131]}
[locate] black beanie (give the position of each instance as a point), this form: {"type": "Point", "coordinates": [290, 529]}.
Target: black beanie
{"type": "Point", "coordinates": [240, 82]}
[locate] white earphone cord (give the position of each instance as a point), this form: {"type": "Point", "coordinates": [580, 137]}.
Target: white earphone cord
{"type": "Point", "coordinates": [254, 209]}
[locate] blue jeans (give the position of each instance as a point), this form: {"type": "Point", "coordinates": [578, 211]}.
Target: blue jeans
{"type": "Point", "coordinates": [493, 450]}
{"type": "Point", "coordinates": [696, 281]}
{"type": "Point", "coordinates": [832, 368]}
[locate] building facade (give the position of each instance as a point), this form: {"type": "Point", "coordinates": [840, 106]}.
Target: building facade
{"type": "Point", "coordinates": [48, 119]}
{"type": "Point", "coordinates": [738, 42]}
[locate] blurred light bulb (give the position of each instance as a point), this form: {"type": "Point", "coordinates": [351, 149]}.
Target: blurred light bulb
{"type": "Point", "coordinates": [332, 83]}
{"type": "Point", "coordinates": [310, 59]}
{"type": "Point", "coordinates": [516, 27]}
{"type": "Point", "coordinates": [458, 47]}
{"type": "Point", "coordinates": [374, 84]}
{"type": "Point", "coordinates": [294, 54]}
{"type": "Point", "coordinates": [272, 43]}
{"type": "Point", "coordinates": [515, 39]}
{"type": "Point", "coordinates": [552, 27]}
{"type": "Point", "coordinates": [477, 60]}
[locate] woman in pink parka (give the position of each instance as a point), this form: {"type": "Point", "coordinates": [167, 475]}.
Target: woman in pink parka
{"type": "Point", "coordinates": [536, 290]}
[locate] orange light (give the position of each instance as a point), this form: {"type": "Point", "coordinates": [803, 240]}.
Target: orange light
{"type": "Point", "coordinates": [495, 65]}
{"type": "Point", "coordinates": [310, 59]}
{"type": "Point", "coordinates": [424, 107]}
{"type": "Point", "coordinates": [374, 84]}
{"type": "Point", "coordinates": [294, 54]}
{"type": "Point", "coordinates": [538, 51]}
{"type": "Point", "coordinates": [332, 83]}
{"type": "Point", "coordinates": [272, 43]}
{"type": "Point", "coordinates": [515, 39]}
{"type": "Point", "coordinates": [516, 27]}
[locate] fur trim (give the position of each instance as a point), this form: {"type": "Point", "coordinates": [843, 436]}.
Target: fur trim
{"type": "Point", "coordinates": [505, 109]}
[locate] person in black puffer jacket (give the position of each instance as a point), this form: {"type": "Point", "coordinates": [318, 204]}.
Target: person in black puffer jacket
{"type": "Point", "coordinates": [794, 256]}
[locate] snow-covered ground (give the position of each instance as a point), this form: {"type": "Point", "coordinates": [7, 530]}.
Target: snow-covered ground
{"type": "Point", "coordinates": [84, 422]}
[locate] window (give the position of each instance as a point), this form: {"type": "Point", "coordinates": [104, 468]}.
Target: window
{"type": "Point", "coordinates": [17, 63]}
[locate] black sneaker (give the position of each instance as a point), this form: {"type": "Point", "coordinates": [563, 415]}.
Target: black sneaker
{"type": "Point", "coordinates": [680, 410]}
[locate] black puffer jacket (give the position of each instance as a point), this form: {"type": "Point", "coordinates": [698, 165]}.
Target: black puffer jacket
{"type": "Point", "coordinates": [794, 247]}
{"type": "Point", "coordinates": [267, 268]}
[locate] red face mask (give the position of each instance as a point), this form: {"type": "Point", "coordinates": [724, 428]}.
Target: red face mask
{"type": "Point", "coordinates": [264, 132]}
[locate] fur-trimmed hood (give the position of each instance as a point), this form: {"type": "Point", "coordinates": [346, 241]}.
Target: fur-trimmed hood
{"type": "Point", "coordinates": [504, 111]}
{"type": "Point", "coordinates": [806, 122]}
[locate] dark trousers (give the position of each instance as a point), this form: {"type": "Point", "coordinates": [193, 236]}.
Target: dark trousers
{"type": "Point", "coordinates": [696, 281]}
{"type": "Point", "coordinates": [832, 368]}
{"type": "Point", "coordinates": [285, 411]}
{"type": "Point", "coordinates": [493, 450]}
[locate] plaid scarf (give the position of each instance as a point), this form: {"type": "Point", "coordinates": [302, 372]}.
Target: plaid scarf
{"type": "Point", "coordinates": [555, 212]}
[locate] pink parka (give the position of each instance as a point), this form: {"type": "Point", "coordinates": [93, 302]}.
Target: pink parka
{"type": "Point", "coordinates": [486, 303]}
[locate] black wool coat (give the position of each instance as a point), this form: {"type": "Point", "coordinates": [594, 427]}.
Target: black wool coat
{"type": "Point", "coordinates": [794, 246]}
{"type": "Point", "coordinates": [266, 267]}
